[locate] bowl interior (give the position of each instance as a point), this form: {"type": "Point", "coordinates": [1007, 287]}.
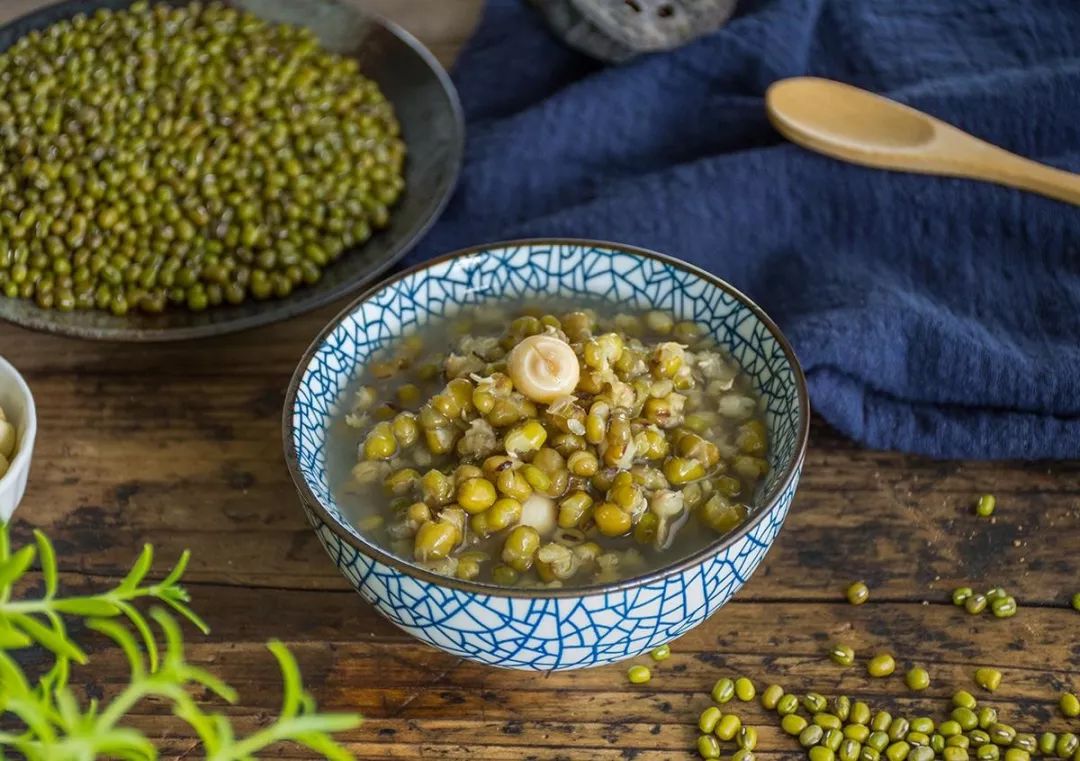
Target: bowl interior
{"type": "Point", "coordinates": [519, 271]}
{"type": "Point", "coordinates": [430, 116]}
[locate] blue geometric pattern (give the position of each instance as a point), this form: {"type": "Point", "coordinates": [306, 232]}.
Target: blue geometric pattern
{"type": "Point", "coordinates": [553, 629]}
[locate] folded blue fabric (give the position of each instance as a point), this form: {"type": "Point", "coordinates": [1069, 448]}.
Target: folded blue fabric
{"type": "Point", "coordinates": [932, 315]}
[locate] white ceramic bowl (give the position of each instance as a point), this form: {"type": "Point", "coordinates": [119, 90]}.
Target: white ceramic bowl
{"type": "Point", "coordinates": [18, 404]}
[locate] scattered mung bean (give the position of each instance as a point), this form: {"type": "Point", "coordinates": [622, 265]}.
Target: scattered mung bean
{"type": "Point", "coordinates": [987, 678]}
{"type": "Point", "coordinates": [639, 674]}
{"type": "Point", "coordinates": [744, 689]}
{"type": "Point", "coordinates": [917, 679]}
{"type": "Point", "coordinates": [985, 506]}
{"type": "Point", "coordinates": [770, 698]}
{"type": "Point", "coordinates": [881, 665]}
{"type": "Point", "coordinates": [842, 655]}
{"type": "Point", "coordinates": [858, 593]}
{"type": "Point", "coordinates": [661, 653]}
{"type": "Point", "coordinates": [709, 718]}
{"type": "Point", "coordinates": [1070, 705]}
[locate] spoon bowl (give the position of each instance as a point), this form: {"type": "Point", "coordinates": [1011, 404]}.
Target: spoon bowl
{"type": "Point", "coordinates": [854, 125]}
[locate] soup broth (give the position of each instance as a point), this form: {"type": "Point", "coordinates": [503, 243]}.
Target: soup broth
{"type": "Point", "coordinates": [453, 454]}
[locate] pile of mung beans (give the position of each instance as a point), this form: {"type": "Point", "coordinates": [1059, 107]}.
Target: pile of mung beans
{"type": "Point", "coordinates": [7, 443]}
{"type": "Point", "coordinates": [661, 437]}
{"type": "Point", "coordinates": [841, 729]}
{"type": "Point", "coordinates": [188, 156]}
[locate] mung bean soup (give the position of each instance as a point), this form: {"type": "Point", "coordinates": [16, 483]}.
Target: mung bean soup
{"type": "Point", "coordinates": [559, 444]}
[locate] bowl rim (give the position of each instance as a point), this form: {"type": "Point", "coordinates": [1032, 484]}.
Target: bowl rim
{"type": "Point", "coordinates": [374, 552]}
{"type": "Point", "coordinates": [25, 443]}
{"type": "Point", "coordinates": [302, 301]}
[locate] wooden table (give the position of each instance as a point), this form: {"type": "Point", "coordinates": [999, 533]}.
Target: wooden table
{"type": "Point", "coordinates": [179, 445]}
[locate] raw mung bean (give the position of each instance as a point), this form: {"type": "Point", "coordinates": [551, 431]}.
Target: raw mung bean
{"type": "Point", "coordinates": [661, 653]}
{"type": "Point", "coordinates": [964, 699]}
{"type": "Point", "coordinates": [1047, 743]}
{"type": "Point", "coordinates": [1016, 754]}
{"type": "Point", "coordinates": [842, 655]}
{"type": "Point", "coordinates": [965, 717]}
{"type": "Point", "coordinates": [937, 742]}
{"type": "Point", "coordinates": [728, 726]}
{"type": "Point", "coordinates": [961, 594]}
{"type": "Point", "coordinates": [950, 728]}
{"type": "Point", "coordinates": [978, 737]}
{"type": "Point", "coordinates": [814, 702]}
{"type": "Point", "coordinates": [987, 678]}
{"type": "Point", "coordinates": [860, 713]}
{"type": "Point", "coordinates": [869, 754]}
{"type": "Point", "coordinates": [954, 754]}
{"type": "Point", "coordinates": [921, 753]}
{"type": "Point", "coordinates": [793, 724]}
{"type": "Point", "coordinates": [748, 738]}
{"type": "Point", "coordinates": [897, 751]}
{"type": "Point", "coordinates": [833, 739]}
{"type": "Point", "coordinates": [743, 754]}
{"type": "Point", "coordinates": [898, 729]}
{"type": "Point", "coordinates": [770, 698]}
{"type": "Point", "coordinates": [987, 752]}
{"type": "Point", "coordinates": [987, 717]}
{"type": "Point", "coordinates": [827, 721]}
{"type": "Point", "coordinates": [881, 665]}
{"type": "Point", "coordinates": [850, 749]}
{"type": "Point", "coordinates": [975, 604]}
{"type": "Point", "coordinates": [985, 506]}
{"type": "Point", "coordinates": [881, 722]}
{"type": "Point", "coordinates": [917, 679]}
{"type": "Point", "coordinates": [878, 740]}
{"type": "Point", "coordinates": [708, 747]}
{"type": "Point", "coordinates": [918, 738]}
{"type": "Point", "coordinates": [1070, 705]}
{"type": "Point", "coordinates": [811, 736]}
{"type": "Point", "coordinates": [638, 674]}
{"type": "Point", "coordinates": [958, 741]}
{"type": "Point", "coordinates": [922, 724]}
{"type": "Point", "coordinates": [1067, 744]}
{"type": "Point", "coordinates": [1004, 607]}
{"type": "Point", "coordinates": [821, 753]}
{"type": "Point", "coordinates": [1026, 742]}
{"type": "Point", "coordinates": [709, 718]}
{"type": "Point", "coordinates": [788, 704]}
{"type": "Point", "coordinates": [1002, 734]}
{"type": "Point", "coordinates": [858, 593]}
{"type": "Point", "coordinates": [723, 690]}
{"type": "Point", "coordinates": [842, 707]}
{"type": "Point", "coordinates": [857, 732]}
{"type": "Point", "coordinates": [744, 689]}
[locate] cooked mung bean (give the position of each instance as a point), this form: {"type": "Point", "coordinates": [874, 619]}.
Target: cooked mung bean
{"type": "Point", "coordinates": [450, 420]}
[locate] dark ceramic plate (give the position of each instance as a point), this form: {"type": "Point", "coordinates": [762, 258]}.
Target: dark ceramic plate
{"type": "Point", "coordinates": [430, 115]}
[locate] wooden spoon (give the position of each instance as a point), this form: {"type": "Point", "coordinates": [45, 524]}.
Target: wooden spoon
{"type": "Point", "coordinates": [857, 126]}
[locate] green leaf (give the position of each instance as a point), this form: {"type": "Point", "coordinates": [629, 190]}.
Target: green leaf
{"type": "Point", "coordinates": [89, 607]}
{"type": "Point", "coordinates": [187, 613]}
{"type": "Point", "coordinates": [11, 638]}
{"type": "Point", "coordinates": [122, 637]}
{"type": "Point", "coordinates": [290, 674]}
{"type": "Point", "coordinates": [48, 638]}
{"type": "Point", "coordinates": [139, 570]}
{"type": "Point", "coordinates": [123, 742]}
{"type": "Point", "coordinates": [178, 570]}
{"type": "Point", "coordinates": [325, 746]}
{"type": "Point", "coordinates": [210, 682]}
{"type": "Point", "coordinates": [15, 566]}
{"type": "Point", "coordinates": [47, 559]}
{"type": "Point", "coordinates": [139, 622]}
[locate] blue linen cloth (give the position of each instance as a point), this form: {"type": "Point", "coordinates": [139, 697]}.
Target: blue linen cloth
{"type": "Point", "coordinates": [932, 315]}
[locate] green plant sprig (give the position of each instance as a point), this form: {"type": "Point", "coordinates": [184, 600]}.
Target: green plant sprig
{"type": "Point", "coordinates": [57, 728]}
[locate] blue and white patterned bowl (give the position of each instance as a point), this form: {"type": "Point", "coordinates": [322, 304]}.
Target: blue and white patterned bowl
{"type": "Point", "coordinates": [546, 629]}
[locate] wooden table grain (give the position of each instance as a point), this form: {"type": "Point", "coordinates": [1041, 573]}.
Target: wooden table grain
{"type": "Point", "coordinates": [179, 445]}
